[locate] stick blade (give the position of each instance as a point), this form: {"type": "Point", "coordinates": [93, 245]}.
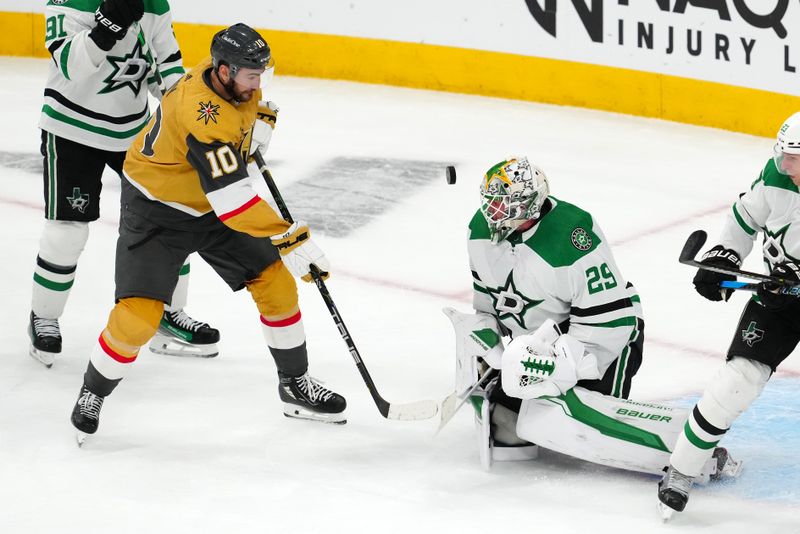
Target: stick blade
{"type": "Point", "coordinates": [692, 246]}
{"type": "Point", "coordinates": [413, 411]}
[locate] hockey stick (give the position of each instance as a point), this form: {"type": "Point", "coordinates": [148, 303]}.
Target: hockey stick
{"type": "Point", "coordinates": [449, 406]}
{"type": "Point", "coordinates": [412, 411]}
{"type": "Point", "coordinates": [696, 241]}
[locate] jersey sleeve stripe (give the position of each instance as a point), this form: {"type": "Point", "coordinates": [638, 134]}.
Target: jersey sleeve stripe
{"type": "Point", "coordinates": [64, 59]}
{"type": "Point", "coordinates": [602, 308]}
{"type": "Point", "coordinates": [55, 45]}
{"type": "Point", "coordinates": [244, 207]}
{"type": "Point", "coordinates": [741, 222]}
{"type": "Point", "coordinates": [622, 321]}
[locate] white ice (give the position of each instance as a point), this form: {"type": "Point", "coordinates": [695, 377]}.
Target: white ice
{"type": "Point", "coordinates": [202, 446]}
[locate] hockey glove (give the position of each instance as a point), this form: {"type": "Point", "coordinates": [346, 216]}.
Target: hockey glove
{"type": "Point", "coordinates": [114, 17]}
{"type": "Point", "coordinates": [299, 253]}
{"type": "Point", "coordinates": [263, 126]}
{"type": "Point", "coordinates": [707, 282]}
{"type": "Point", "coordinates": [545, 363]}
{"type": "Point", "coordinates": [780, 298]}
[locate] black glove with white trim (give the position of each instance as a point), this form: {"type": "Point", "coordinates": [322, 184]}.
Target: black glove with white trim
{"type": "Point", "coordinates": [114, 17]}
{"type": "Point", "coordinates": [707, 282]}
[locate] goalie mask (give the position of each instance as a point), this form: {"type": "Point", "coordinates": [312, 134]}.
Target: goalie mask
{"type": "Point", "coordinates": [788, 144]}
{"type": "Point", "coordinates": [512, 192]}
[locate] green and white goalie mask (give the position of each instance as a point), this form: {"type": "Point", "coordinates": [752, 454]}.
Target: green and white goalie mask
{"type": "Point", "coordinates": [512, 192]}
{"type": "Point", "coordinates": [787, 148]}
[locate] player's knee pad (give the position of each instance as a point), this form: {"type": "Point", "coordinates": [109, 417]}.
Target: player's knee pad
{"type": "Point", "coordinates": [274, 291]}
{"type": "Point", "coordinates": [133, 321]}
{"type": "Point", "coordinates": [737, 384]}
{"type": "Point", "coordinates": [62, 242]}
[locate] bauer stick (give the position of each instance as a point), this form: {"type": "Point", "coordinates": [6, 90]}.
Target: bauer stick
{"type": "Point", "coordinates": [696, 241]}
{"type": "Point", "coordinates": [412, 411]}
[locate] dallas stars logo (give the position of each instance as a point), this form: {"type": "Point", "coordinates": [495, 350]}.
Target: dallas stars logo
{"type": "Point", "coordinates": [511, 303]}
{"type": "Point", "coordinates": [78, 201]}
{"type": "Point", "coordinates": [130, 71]}
{"type": "Point", "coordinates": [208, 112]}
{"type": "Point", "coordinates": [774, 247]}
{"type": "Point", "coordinates": [752, 335]}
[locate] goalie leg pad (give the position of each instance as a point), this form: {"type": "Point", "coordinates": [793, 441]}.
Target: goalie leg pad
{"type": "Point", "coordinates": [737, 384]}
{"type": "Point", "coordinates": [603, 429]}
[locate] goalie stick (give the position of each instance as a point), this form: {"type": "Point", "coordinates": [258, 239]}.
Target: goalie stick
{"type": "Point", "coordinates": [411, 411]}
{"type": "Point", "coordinates": [449, 406]}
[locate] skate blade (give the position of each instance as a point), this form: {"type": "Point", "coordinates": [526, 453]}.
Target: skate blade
{"type": "Point", "coordinates": [45, 358]}
{"type": "Point", "coordinates": [296, 412]}
{"type": "Point", "coordinates": [665, 511]}
{"type": "Point", "coordinates": [171, 346]}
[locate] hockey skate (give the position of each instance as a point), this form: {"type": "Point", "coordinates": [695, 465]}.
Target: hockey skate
{"type": "Point", "coordinates": [45, 337]}
{"type": "Point", "coordinates": [306, 398]}
{"type": "Point", "coordinates": [496, 429]}
{"type": "Point", "coordinates": [180, 335]}
{"type": "Point", "coordinates": [86, 414]}
{"type": "Point", "coordinates": [673, 492]}
{"type": "Point", "coordinates": [724, 465]}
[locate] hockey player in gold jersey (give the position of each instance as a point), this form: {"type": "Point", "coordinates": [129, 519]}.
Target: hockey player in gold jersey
{"type": "Point", "coordinates": [187, 189]}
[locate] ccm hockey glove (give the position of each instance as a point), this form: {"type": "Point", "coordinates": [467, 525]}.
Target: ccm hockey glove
{"type": "Point", "coordinates": [707, 282]}
{"type": "Point", "coordinates": [261, 132]}
{"type": "Point", "coordinates": [114, 17]}
{"type": "Point", "coordinates": [776, 298]}
{"type": "Point", "coordinates": [299, 252]}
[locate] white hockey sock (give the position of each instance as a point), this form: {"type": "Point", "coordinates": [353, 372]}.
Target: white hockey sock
{"type": "Point", "coordinates": [180, 295]}
{"type": "Point", "coordinates": [737, 384]}
{"type": "Point", "coordinates": [60, 247]}
{"type": "Point", "coordinates": [285, 333]}
{"type": "Point", "coordinates": [111, 363]}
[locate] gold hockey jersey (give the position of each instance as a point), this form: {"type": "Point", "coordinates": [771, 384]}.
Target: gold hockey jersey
{"type": "Point", "coordinates": [190, 158]}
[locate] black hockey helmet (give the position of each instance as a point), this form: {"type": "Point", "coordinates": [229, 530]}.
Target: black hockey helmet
{"type": "Point", "coordinates": [239, 46]}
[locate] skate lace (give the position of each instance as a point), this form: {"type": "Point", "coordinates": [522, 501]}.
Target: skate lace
{"type": "Point", "coordinates": [678, 481]}
{"type": "Point", "coordinates": [90, 404]}
{"type": "Point", "coordinates": [184, 321]}
{"type": "Point", "coordinates": [46, 327]}
{"type": "Point", "coordinates": [313, 389]}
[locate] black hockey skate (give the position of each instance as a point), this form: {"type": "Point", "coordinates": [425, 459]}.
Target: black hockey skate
{"type": "Point", "coordinates": [86, 414]}
{"type": "Point", "coordinates": [180, 335]}
{"type": "Point", "coordinates": [673, 492]}
{"type": "Point", "coordinates": [45, 339]}
{"type": "Point", "coordinates": [305, 398]}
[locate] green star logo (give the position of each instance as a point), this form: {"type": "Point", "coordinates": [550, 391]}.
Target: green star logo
{"type": "Point", "coordinates": [752, 335]}
{"type": "Point", "coordinates": [776, 239]}
{"type": "Point", "coordinates": [78, 201]}
{"type": "Point", "coordinates": [129, 71]}
{"type": "Point", "coordinates": [509, 302]}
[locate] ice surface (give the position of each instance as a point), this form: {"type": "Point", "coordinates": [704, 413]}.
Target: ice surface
{"type": "Point", "coordinates": [202, 446]}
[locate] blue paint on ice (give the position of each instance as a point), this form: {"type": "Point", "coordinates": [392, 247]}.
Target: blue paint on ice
{"type": "Point", "coordinates": [767, 438]}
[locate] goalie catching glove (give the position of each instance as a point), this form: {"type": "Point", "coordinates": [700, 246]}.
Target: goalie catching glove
{"type": "Point", "coordinates": [545, 363]}
{"type": "Point", "coordinates": [299, 252]}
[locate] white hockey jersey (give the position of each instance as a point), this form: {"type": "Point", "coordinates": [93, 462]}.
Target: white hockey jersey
{"type": "Point", "coordinates": [563, 269]}
{"type": "Point", "coordinates": [98, 98]}
{"type": "Point", "coordinates": [772, 207]}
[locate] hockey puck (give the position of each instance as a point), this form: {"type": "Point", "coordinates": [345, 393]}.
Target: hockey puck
{"type": "Point", "coordinates": [450, 174]}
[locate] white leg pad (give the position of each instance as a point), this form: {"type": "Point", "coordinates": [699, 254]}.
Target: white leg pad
{"type": "Point", "coordinates": [606, 430]}
{"type": "Point", "coordinates": [62, 242]}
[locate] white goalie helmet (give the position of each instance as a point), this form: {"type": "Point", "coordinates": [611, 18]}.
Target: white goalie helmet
{"type": "Point", "coordinates": [788, 140]}
{"type": "Point", "coordinates": [512, 192]}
